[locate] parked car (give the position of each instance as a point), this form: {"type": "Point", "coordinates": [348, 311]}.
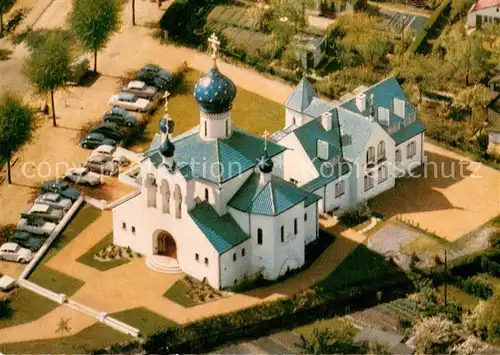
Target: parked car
{"type": "Point", "coordinates": [94, 140]}
{"type": "Point", "coordinates": [27, 240]}
{"type": "Point", "coordinates": [109, 130]}
{"type": "Point", "coordinates": [153, 75]}
{"type": "Point", "coordinates": [140, 89]}
{"type": "Point", "coordinates": [109, 153]}
{"type": "Point", "coordinates": [79, 67]}
{"type": "Point", "coordinates": [45, 212]}
{"type": "Point", "coordinates": [7, 283]}
{"type": "Point", "coordinates": [35, 226]}
{"type": "Point", "coordinates": [129, 102]}
{"type": "Point", "coordinates": [55, 200]}
{"type": "Point", "coordinates": [14, 252]}
{"type": "Point", "coordinates": [102, 165]}
{"type": "Point", "coordinates": [120, 117]}
{"type": "Point", "coordinates": [83, 176]}
{"type": "Point", "coordinates": [62, 188]}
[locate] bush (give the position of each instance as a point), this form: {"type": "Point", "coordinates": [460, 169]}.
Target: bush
{"type": "Point", "coordinates": [476, 288]}
{"type": "Point", "coordinates": [495, 239]}
{"type": "Point", "coordinates": [355, 216]}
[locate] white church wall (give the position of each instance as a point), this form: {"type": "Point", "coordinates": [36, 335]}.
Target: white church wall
{"type": "Point", "coordinates": [215, 125]}
{"type": "Point", "coordinates": [288, 253]}
{"type": "Point", "coordinates": [236, 263]}
{"type": "Point", "coordinates": [303, 172]}
{"type": "Point", "coordinates": [201, 187]}
{"type": "Point", "coordinates": [408, 164]}
{"type": "Point", "coordinates": [230, 188]}
{"type": "Point", "coordinates": [262, 254]}
{"type": "Point", "coordinates": [310, 222]}
{"type": "Point", "coordinates": [342, 201]}
{"type": "Point", "coordinates": [242, 218]}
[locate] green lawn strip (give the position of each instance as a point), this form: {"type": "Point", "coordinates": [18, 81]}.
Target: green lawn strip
{"type": "Point", "coordinates": [178, 293]}
{"type": "Point", "coordinates": [26, 306]}
{"type": "Point", "coordinates": [89, 260]}
{"type": "Point", "coordinates": [330, 323]}
{"type": "Point", "coordinates": [146, 321]}
{"type": "Point", "coordinates": [97, 336]}
{"type": "Point", "coordinates": [361, 267]}
{"type": "Point", "coordinates": [457, 295]}
{"type": "Point", "coordinates": [55, 281]}
{"type": "Point", "coordinates": [262, 114]}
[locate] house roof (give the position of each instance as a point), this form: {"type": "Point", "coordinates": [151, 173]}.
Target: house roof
{"type": "Point", "coordinates": [221, 231]}
{"type": "Point", "coordinates": [217, 160]}
{"type": "Point", "coordinates": [326, 177]}
{"type": "Point", "coordinates": [307, 42]}
{"type": "Point", "coordinates": [301, 97]}
{"type": "Point", "coordinates": [356, 130]}
{"type": "Point", "coordinates": [484, 4]}
{"type": "Point", "coordinates": [270, 199]}
{"type": "Point", "coordinates": [407, 132]}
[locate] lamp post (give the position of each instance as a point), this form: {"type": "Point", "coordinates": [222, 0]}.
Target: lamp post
{"type": "Point", "coordinates": [403, 36]}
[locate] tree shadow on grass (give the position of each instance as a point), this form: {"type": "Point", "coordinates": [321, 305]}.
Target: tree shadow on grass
{"type": "Point", "coordinates": [89, 79]}
{"type": "Point", "coordinates": [5, 54]}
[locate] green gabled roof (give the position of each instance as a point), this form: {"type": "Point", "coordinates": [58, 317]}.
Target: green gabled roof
{"type": "Point", "coordinates": [219, 160]}
{"type": "Point", "coordinates": [270, 199]}
{"type": "Point", "coordinates": [311, 199]}
{"type": "Point", "coordinates": [301, 97]}
{"type": "Point", "coordinates": [222, 232]}
{"type": "Point", "coordinates": [408, 131]}
{"type": "Point", "coordinates": [309, 134]}
{"type": "Point", "coordinates": [327, 177]}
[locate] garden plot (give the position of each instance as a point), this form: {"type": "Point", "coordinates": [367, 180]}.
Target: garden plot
{"type": "Point", "coordinates": [254, 44]}
{"type": "Point", "coordinates": [393, 20]}
{"type": "Point", "coordinates": [233, 15]}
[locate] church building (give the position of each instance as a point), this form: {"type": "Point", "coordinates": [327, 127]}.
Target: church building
{"type": "Point", "coordinates": [219, 203]}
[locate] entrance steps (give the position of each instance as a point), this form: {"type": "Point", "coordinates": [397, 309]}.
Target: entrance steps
{"type": "Point", "coordinates": [163, 264]}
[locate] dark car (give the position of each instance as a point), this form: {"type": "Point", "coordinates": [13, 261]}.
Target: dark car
{"type": "Point", "coordinates": [120, 116]}
{"type": "Point", "coordinates": [27, 240]}
{"type": "Point", "coordinates": [155, 76]}
{"type": "Point", "coordinates": [93, 140]}
{"type": "Point", "coordinates": [109, 130]}
{"type": "Point", "coordinates": [62, 188]}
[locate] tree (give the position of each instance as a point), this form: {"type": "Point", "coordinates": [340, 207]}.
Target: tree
{"type": "Point", "coordinates": [63, 328]}
{"type": "Point", "coordinates": [474, 99]}
{"type": "Point", "coordinates": [48, 67]}
{"type": "Point", "coordinates": [328, 341]}
{"type": "Point", "coordinates": [94, 21]}
{"type": "Point", "coordinates": [16, 126]}
{"type": "Point", "coordinates": [4, 6]}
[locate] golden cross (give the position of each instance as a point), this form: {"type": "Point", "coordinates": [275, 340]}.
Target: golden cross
{"type": "Point", "coordinates": [214, 43]}
{"type": "Point", "coordinates": [265, 135]}
{"type": "Point", "coordinates": [165, 96]}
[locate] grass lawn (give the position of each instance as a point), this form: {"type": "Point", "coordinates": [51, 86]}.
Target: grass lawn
{"type": "Point", "coordinates": [94, 337]}
{"type": "Point", "coordinates": [251, 112]}
{"type": "Point", "coordinates": [145, 320]}
{"type": "Point", "coordinates": [55, 281]}
{"type": "Point", "coordinates": [89, 260]}
{"type": "Point", "coordinates": [26, 307]}
{"type": "Point", "coordinates": [330, 323]}
{"type": "Point", "coordinates": [456, 295]}
{"type": "Point", "coordinates": [361, 267]}
{"type": "Point", "coordinates": [178, 293]}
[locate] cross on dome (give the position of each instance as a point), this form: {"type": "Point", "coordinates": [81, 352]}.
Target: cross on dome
{"type": "Point", "coordinates": [265, 135]}
{"type": "Point", "coordinates": [165, 96]}
{"type": "Point", "coordinates": [214, 43]}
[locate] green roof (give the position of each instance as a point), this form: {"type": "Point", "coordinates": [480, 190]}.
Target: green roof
{"type": "Point", "coordinates": [301, 97]}
{"type": "Point", "coordinates": [408, 131]}
{"type": "Point", "coordinates": [218, 160]}
{"type": "Point", "coordinates": [327, 177]}
{"type": "Point", "coordinates": [222, 232]}
{"type": "Point", "coordinates": [270, 199]}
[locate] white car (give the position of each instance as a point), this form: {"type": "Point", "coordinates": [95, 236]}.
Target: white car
{"type": "Point", "coordinates": [35, 226]}
{"type": "Point", "coordinates": [54, 200]}
{"type": "Point", "coordinates": [104, 151]}
{"type": "Point", "coordinates": [14, 252]}
{"type": "Point", "coordinates": [83, 176]}
{"type": "Point", "coordinates": [129, 101]}
{"type": "Point", "coordinates": [140, 89]}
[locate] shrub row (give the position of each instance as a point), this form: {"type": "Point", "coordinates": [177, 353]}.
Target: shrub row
{"type": "Point", "coordinates": [261, 319]}
{"type": "Point", "coordinates": [475, 287]}
{"type": "Point", "coordinates": [419, 40]}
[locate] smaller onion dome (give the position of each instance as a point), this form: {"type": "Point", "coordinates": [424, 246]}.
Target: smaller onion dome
{"type": "Point", "coordinates": [215, 92]}
{"type": "Point", "coordinates": [166, 126]}
{"type": "Point", "coordinates": [265, 163]}
{"type": "Point", "coordinates": [167, 148]}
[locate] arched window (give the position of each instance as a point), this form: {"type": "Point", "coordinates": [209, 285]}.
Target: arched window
{"type": "Point", "coordinates": [152, 190]}
{"type": "Point", "coordinates": [178, 202]}
{"type": "Point", "coordinates": [295, 226]}
{"type": "Point", "coordinates": [282, 234]}
{"type": "Point", "coordinates": [206, 129]}
{"type": "Point", "coordinates": [381, 151]}
{"type": "Point", "coordinates": [227, 128]}
{"type": "Point", "coordinates": [370, 155]}
{"type": "Point", "coordinates": [165, 194]}
{"type": "Point", "coordinates": [259, 236]}
{"type": "Point", "coordinates": [206, 194]}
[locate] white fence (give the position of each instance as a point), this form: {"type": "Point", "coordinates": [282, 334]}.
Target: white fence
{"type": "Point", "coordinates": [61, 298]}
{"type": "Point", "coordinates": [100, 204]}
{"type": "Point", "coordinates": [45, 247]}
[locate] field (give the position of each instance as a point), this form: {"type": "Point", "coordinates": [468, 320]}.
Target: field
{"type": "Point", "coordinates": [233, 15]}
{"type": "Point", "coordinates": [262, 114]}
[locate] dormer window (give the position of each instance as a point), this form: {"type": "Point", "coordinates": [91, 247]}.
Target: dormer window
{"type": "Point", "coordinates": [322, 150]}
{"type": "Point", "coordinates": [399, 107]}
{"type": "Point", "coordinates": [383, 116]}
{"type": "Point", "coordinates": [409, 119]}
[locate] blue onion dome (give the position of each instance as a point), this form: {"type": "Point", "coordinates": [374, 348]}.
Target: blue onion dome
{"type": "Point", "coordinates": [163, 125]}
{"type": "Point", "coordinates": [167, 148]}
{"type": "Point", "coordinates": [215, 92]}
{"type": "Point", "coordinates": [265, 163]}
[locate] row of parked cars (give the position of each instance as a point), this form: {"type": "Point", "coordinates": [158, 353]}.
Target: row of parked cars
{"type": "Point", "coordinates": [39, 221]}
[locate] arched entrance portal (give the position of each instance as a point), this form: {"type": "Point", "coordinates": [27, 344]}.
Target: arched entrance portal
{"type": "Point", "coordinates": [166, 245]}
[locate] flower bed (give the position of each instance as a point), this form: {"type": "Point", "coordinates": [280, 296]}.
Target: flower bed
{"type": "Point", "coordinates": [113, 252]}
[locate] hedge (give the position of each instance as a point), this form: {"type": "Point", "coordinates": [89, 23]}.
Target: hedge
{"type": "Point", "coordinates": [257, 321]}
{"type": "Point", "coordinates": [475, 287]}
{"type": "Point", "coordinates": [422, 36]}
